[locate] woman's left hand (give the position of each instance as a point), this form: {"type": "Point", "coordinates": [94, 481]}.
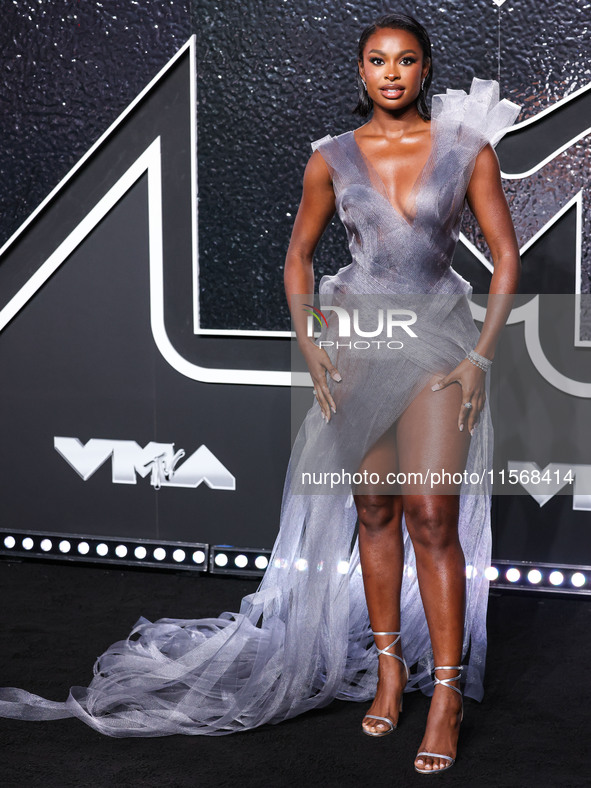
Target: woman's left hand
{"type": "Point", "coordinates": [472, 380]}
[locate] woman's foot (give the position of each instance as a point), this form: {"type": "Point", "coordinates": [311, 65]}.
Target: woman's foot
{"type": "Point", "coordinates": [443, 726]}
{"type": "Point", "coordinates": [392, 679]}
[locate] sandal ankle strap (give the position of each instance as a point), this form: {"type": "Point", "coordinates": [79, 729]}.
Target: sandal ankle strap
{"type": "Point", "coordinates": [390, 653]}
{"type": "Point", "coordinates": [391, 645]}
{"type": "Point", "coordinates": [449, 678]}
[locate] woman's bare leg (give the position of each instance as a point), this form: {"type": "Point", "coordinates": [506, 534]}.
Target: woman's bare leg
{"type": "Point", "coordinates": [428, 438]}
{"type": "Point", "coordinates": [381, 551]}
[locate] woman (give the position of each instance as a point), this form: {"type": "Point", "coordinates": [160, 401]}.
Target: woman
{"type": "Point", "coordinates": [435, 429]}
{"type": "Point", "coordinates": [304, 638]}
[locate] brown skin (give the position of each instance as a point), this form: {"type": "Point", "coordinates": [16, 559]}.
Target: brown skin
{"type": "Point", "coordinates": [431, 431]}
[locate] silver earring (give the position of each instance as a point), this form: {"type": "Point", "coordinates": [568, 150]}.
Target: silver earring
{"type": "Point", "coordinates": [423, 83]}
{"type": "Point", "coordinates": [364, 85]}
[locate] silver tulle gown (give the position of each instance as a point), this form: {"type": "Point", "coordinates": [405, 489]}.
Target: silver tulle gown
{"type": "Point", "coordinates": [304, 638]}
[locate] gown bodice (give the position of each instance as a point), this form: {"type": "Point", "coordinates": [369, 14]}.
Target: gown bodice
{"type": "Point", "coordinates": [413, 252]}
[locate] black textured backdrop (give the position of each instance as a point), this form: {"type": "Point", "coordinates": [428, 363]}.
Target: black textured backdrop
{"type": "Point", "coordinates": [272, 76]}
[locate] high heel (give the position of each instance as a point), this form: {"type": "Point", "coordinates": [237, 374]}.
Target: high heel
{"type": "Point", "coordinates": [455, 689]}
{"type": "Point", "coordinates": [403, 661]}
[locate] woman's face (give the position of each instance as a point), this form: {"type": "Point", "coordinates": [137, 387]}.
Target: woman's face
{"type": "Point", "coordinates": [393, 68]}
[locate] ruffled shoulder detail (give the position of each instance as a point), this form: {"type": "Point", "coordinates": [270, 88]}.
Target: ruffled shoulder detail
{"type": "Point", "coordinates": [335, 155]}
{"type": "Point", "coordinates": [322, 141]}
{"type": "Point", "coordinates": [480, 111]}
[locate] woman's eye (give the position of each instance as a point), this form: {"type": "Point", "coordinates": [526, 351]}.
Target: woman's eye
{"type": "Point", "coordinates": [377, 61]}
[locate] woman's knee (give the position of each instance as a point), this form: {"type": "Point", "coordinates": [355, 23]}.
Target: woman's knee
{"type": "Point", "coordinates": [376, 512]}
{"type": "Point", "coordinates": [432, 525]}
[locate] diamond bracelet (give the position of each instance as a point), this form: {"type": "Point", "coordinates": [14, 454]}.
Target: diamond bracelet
{"type": "Point", "coordinates": [480, 361]}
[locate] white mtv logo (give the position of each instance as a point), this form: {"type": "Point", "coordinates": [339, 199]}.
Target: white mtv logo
{"type": "Point", "coordinates": [159, 460]}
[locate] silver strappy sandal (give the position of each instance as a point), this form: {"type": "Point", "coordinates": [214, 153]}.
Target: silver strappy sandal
{"type": "Point", "coordinates": [455, 689]}
{"type": "Point", "coordinates": [388, 653]}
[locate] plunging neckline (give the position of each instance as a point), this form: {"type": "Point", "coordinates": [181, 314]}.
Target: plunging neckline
{"type": "Point", "coordinates": [411, 198]}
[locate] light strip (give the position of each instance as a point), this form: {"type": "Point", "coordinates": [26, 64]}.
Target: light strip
{"type": "Point", "coordinates": [230, 560]}
{"type": "Point", "coordinates": [105, 550]}
{"type": "Point", "coordinates": [542, 577]}
{"type": "Point", "coordinates": [250, 561]}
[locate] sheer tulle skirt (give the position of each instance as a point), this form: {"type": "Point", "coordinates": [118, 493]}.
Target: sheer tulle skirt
{"type": "Point", "coordinates": [303, 638]}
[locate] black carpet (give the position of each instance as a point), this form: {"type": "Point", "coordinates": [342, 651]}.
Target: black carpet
{"type": "Point", "coordinates": [530, 729]}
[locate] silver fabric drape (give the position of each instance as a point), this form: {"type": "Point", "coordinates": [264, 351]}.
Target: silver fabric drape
{"type": "Point", "coordinates": [303, 638]}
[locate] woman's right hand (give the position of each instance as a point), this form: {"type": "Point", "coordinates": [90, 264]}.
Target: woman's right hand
{"type": "Point", "coordinates": [319, 364]}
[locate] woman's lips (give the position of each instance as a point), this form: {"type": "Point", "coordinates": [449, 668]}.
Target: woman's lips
{"type": "Point", "coordinates": [392, 93]}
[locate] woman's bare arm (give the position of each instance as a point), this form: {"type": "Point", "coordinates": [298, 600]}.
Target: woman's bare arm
{"type": "Point", "coordinates": [315, 211]}
{"type": "Point", "coordinates": [487, 201]}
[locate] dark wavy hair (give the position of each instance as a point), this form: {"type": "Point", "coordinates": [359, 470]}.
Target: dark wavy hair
{"type": "Point", "coordinates": [395, 21]}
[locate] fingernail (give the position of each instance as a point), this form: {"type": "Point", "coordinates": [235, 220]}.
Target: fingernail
{"type": "Point", "coordinates": [334, 410]}
{"type": "Point", "coordinates": [461, 427]}
{"type": "Point", "coordinates": [472, 431]}
{"type": "Point", "coordinates": [435, 387]}
{"type": "Point", "coordinates": [337, 377]}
